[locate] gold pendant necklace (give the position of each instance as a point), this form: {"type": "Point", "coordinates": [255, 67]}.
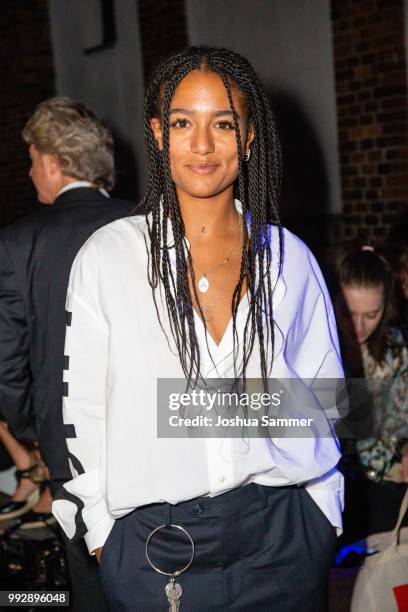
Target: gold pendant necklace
{"type": "Point", "coordinates": [207, 310]}
{"type": "Point", "coordinates": [203, 284]}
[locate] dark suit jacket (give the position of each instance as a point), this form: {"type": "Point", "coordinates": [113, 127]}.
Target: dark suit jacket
{"type": "Point", "coordinates": [36, 254]}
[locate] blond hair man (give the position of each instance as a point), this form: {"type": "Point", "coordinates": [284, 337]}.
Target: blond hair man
{"type": "Point", "coordinates": [72, 169]}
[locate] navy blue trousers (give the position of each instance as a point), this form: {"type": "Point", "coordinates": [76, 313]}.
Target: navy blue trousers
{"type": "Point", "coordinates": [256, 548]}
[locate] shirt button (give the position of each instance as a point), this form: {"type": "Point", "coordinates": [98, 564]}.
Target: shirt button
{"type": "Point", "coordinates": [198, 509]}
{"type": "Point", "coordinates": [221, 478]}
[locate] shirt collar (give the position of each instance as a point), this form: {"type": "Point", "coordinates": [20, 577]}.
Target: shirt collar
{"type": "Point", "coordinates": [77, 184]}
{"type": "Point", "coordinates": [220, 351]}
{"type": "Point", "coordinates": [279, 286]}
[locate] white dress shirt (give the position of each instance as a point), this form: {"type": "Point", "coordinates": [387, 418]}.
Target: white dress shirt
{"type": "Point", "coordinates": [117, 351]}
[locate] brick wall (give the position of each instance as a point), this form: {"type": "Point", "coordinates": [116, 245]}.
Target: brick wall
{"type": "Point", "coordinates": [371, 91]}
{"type": "Point", "coordinates": [27, 79]}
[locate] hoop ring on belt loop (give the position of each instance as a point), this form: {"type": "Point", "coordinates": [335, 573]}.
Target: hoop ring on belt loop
{"type": "Point", "coordinates": [177, 572]}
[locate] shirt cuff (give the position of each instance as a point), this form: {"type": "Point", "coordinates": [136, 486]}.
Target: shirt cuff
{"type": "Point", "coordinates": [97, 536]}
{"type": "Point", "coordinates": [328, 494]}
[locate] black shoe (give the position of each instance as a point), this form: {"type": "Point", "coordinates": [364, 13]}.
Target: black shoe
{"type": "Point", "coordinates": [36, 520]}
{"type": "Point", "coordinates": [14, 509]}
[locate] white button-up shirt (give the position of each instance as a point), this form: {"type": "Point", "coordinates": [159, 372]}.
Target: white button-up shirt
{"type": "Point", "coordinates": [117, 351]}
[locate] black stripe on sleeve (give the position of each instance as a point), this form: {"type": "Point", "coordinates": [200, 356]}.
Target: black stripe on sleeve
{"type": "Point", "coordinates": [69, 431]}
{"type": "Point", "coordinates": [81, 528]}
{"type": "Point", "coordinates": [76, 464]}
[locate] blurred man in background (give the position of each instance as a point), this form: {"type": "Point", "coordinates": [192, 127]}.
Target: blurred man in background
{"type": "Point", "coordinates": [72, 169]}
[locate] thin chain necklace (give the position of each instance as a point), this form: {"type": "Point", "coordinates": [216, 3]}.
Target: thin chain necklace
{"type": "Point", "coordinates": [204, 284]}
{"type": "Point", "coordinates": [207, 311]}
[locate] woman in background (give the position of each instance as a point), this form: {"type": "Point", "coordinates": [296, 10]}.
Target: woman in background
{"type": "Point", "coordinates": [32, 491]}
{"type": "Point", "coordinates": [373, 347]}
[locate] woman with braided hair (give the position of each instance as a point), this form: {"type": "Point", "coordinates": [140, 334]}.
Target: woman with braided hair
{"type": "Point", "coordinates": [205, 285]}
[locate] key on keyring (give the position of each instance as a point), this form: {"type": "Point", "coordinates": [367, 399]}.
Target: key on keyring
{"type": "Point", "coordinates": [173, 592]}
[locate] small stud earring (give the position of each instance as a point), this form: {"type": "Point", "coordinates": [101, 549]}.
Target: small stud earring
{"type": "Point", "coordinates": [247, 155]}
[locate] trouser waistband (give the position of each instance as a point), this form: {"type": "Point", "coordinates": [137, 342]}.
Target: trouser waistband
{"type": "Point", "coordinates": [227, 503]}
